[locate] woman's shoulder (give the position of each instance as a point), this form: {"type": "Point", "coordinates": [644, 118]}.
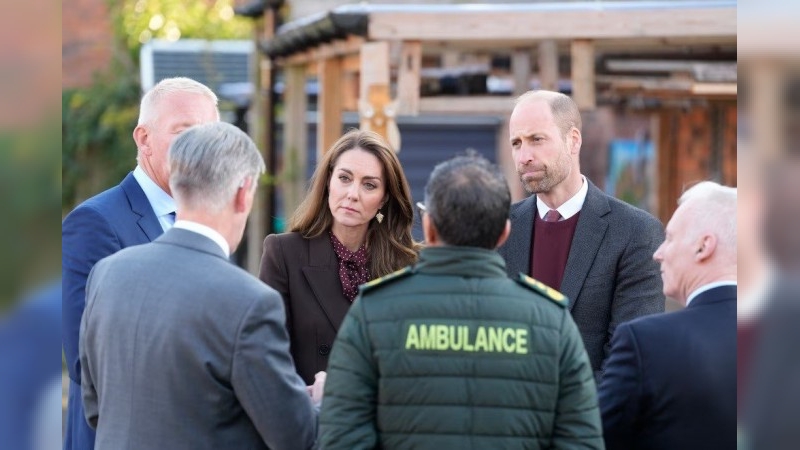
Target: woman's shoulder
{"type": "Point", "coordinates": [286, 238]}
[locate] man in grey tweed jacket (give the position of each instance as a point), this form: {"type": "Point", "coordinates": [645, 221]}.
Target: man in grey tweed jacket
{"type": "Point", "coordinates": [606, 264]}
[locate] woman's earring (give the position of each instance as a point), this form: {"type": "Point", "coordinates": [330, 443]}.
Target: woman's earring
{"type": "Point", "coordinates": [379, 216]}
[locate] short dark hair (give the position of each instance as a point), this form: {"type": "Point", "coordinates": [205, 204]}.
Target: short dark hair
{"type": "Point", "coordinates": [468, 200]}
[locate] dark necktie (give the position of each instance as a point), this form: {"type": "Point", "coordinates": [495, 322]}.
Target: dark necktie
{"type": "Point", "coordinates": [172, 217]}
{"type": "Point", "coordinates": [552, 216]}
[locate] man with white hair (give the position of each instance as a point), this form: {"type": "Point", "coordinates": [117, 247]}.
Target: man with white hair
{"type": "Point", "coordinates": [670, 380]}
{"type": "Point", "coordinates": [136, 211]}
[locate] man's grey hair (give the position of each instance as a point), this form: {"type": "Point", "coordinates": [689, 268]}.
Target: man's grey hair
{"type": "Point", "coordinates": [209, 162]}
{"type": "Point", "coordinates": [713, 208]}
{"type": "Point", "coordinates": [149, 105]}
{"type": "Point", "coordinates": [468, 200]}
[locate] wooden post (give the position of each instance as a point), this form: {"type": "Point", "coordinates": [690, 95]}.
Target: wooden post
{"type": "Point", "coordinates": [583, 89]}
{"type": "Point", "coordinates": [374, 66]}
{"type": "Point", "coordinates": [521, 68]}
{"type": "Point", "coordinates": [374, 90]}
{"type": "Point", "coordinates": [408, 77]}
{"type": "Point", "coordinates": [329, 110]}
{"type": "Point", "coordinates": [260, 129]}
{"type": "Point", "coordinates": [548, 65]}
{"type": "Point", "coordinates": [295, 144]}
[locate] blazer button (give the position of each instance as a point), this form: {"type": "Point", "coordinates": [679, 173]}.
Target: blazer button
{"type": "Point", "coordinates": [324, 349]}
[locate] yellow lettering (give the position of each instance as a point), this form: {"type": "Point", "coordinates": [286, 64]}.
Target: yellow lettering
{"type": "Point", "coordinates": [455, 332]}
{"type": "Point", "coordinates": [522, 340]}
{"type": "Point", "coordinates": [480, 339]}
{"type": "Point", "coordinates": [441, 337]}
{"type": "Point", "coordinates": [412, 338]}
{"type": "Point", "coordinates": [427, 337]}
{"type": "Point", "coordinates": [495, 339]}
{"type": "Point", "coordinates": [468, 347]}
{"type": "Point", "coordinates": [508, 347]}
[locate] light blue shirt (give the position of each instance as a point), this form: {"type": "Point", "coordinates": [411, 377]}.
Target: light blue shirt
{"type": "Point", "coordinates": [570, 207]}
{"type": "Point", "coordinates": [160, 201]}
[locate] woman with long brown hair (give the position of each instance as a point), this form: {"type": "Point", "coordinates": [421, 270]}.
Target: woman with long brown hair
{"type": "Point", "coordinates": [354, 225]}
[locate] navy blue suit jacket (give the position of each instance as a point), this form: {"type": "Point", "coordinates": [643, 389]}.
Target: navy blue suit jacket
{"type": "Point", "coordinates": [670, 380]}
{"type": "Point", "coordinates": [102, 225]}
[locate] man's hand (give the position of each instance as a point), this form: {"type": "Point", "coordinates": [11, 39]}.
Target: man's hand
{"type": "Point", "coordinates": [315, 390]}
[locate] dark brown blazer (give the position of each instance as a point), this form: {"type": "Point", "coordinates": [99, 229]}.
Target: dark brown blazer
{"type": "Point", "coordinates": [306, 273]}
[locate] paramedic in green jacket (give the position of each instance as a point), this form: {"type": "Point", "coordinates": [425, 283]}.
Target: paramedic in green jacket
{"type": "Point", "coordinates": [451, 353]}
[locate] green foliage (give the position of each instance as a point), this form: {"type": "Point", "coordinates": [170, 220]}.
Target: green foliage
{"type": "Point", "coordinates": [97, 124]}
{"type": "Point", "coordinates": [138, 21]}
{"type": "Point", "coordinates": [98, 121]}
{"type": "Point", "coordinates": [29, 193]}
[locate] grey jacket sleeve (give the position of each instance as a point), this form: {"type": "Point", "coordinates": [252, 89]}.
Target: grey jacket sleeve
{"type": "Point", "coordinates": [86, 344]}
{"type": "Point", "coordinates": [265, 381]}
{"type": "Point", "coordinates": [577, 419]}
{"type": "Point", "coordinates": [638, 285]}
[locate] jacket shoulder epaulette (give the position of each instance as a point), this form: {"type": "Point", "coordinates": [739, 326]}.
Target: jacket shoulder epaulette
{"type": "Point", "coordinates": [540, 288]}
{"type": "Point", "coordinates": [386, 279]}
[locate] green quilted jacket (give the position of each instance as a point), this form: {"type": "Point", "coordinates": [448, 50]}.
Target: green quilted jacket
{"type": "Point", "coordinates": [452, 354]}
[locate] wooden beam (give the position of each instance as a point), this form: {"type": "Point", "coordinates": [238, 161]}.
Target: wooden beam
{"type": "Point", "coordinates": [374, 66]}
{"type": "Point", "coordinates": [521, 68]}
{"type": "Point", "coordinates": [329, 109]}
{"type": "Point", "coordinates": [602, 22]}
{"type": "Point", "coordinates": [583, 89]}
{"type": "Point", "coordinates": [408, 78]}
{"type": "Point", "coordinates": [548, 65]}
{"type": "Point", "coordinates": [490, 104]}
{"type": "Point", "coordinates": [295, 144]}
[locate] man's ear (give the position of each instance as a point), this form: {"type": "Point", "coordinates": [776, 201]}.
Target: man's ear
{"type": "Point", "coordinates": [575, 140]}
{"type": "Point", "coordinates": [243, 197]}
{"type": "Point", "coordinates": [429, 231]}
{"type": "Point", "coordinates": [706, 246]}
{"type": "Point", "coordinates": [504, 235]}
{"type": "Point", "coordinates": [142, 138]}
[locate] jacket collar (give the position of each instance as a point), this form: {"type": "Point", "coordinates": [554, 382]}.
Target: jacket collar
{"type": "Point", "coordinates": [463, 261]}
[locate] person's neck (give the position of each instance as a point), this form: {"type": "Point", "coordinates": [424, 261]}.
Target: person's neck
{"type": "Point", "coordinates": [148, 170]}
{"type": "Point", "coordinates": [716, 275]}
{"type": "Point", "coordinates": [562, 192]}
{"type": "Point", "coordinates": [220, 223]}
{"type": "Point", "coordinates": [351, 237]}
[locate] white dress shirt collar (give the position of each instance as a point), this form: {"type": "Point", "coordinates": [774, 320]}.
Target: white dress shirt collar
{"type": "Point", "coordinates": [570, 207]}
{"type": "Point", "coordinates": [707, 287]}
{"type": "Point", "coordinates": [207, 232]}
{"type": "Point", "coordinates": [160, 201]}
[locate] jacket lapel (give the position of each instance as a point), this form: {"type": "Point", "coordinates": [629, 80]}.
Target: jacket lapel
{"type": "Point", "coordinates": [140, 206]}
{"type": "Point", "coordinates": [518, 245]}
{"type": "Point", "coordinates": [589, 234]}
{"type": "Point", "coordinates": [322, 274]}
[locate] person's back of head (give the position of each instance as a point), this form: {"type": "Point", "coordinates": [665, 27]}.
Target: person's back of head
{"type": "Point", "coordinates": [467, 200]}
{"type": "Point", "coordinates": [209, 163]}
{"type": "Point", "coordinates": [714, 208]}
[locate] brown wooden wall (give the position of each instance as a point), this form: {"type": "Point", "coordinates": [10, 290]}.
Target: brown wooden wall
{"type": "Point", "coordinates": [695, 144]}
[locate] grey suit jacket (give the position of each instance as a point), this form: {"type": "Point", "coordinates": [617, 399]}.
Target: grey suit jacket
{"type": "Point", "coordinates": [181, 349]}
{"type": "Point", "coordinates": [610, 275]}
{"type": "Point", "coordinates": [306, 274]}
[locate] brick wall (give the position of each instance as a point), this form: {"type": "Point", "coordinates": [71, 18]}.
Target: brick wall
{"type": "Point", "coordinates": [87, 41]}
